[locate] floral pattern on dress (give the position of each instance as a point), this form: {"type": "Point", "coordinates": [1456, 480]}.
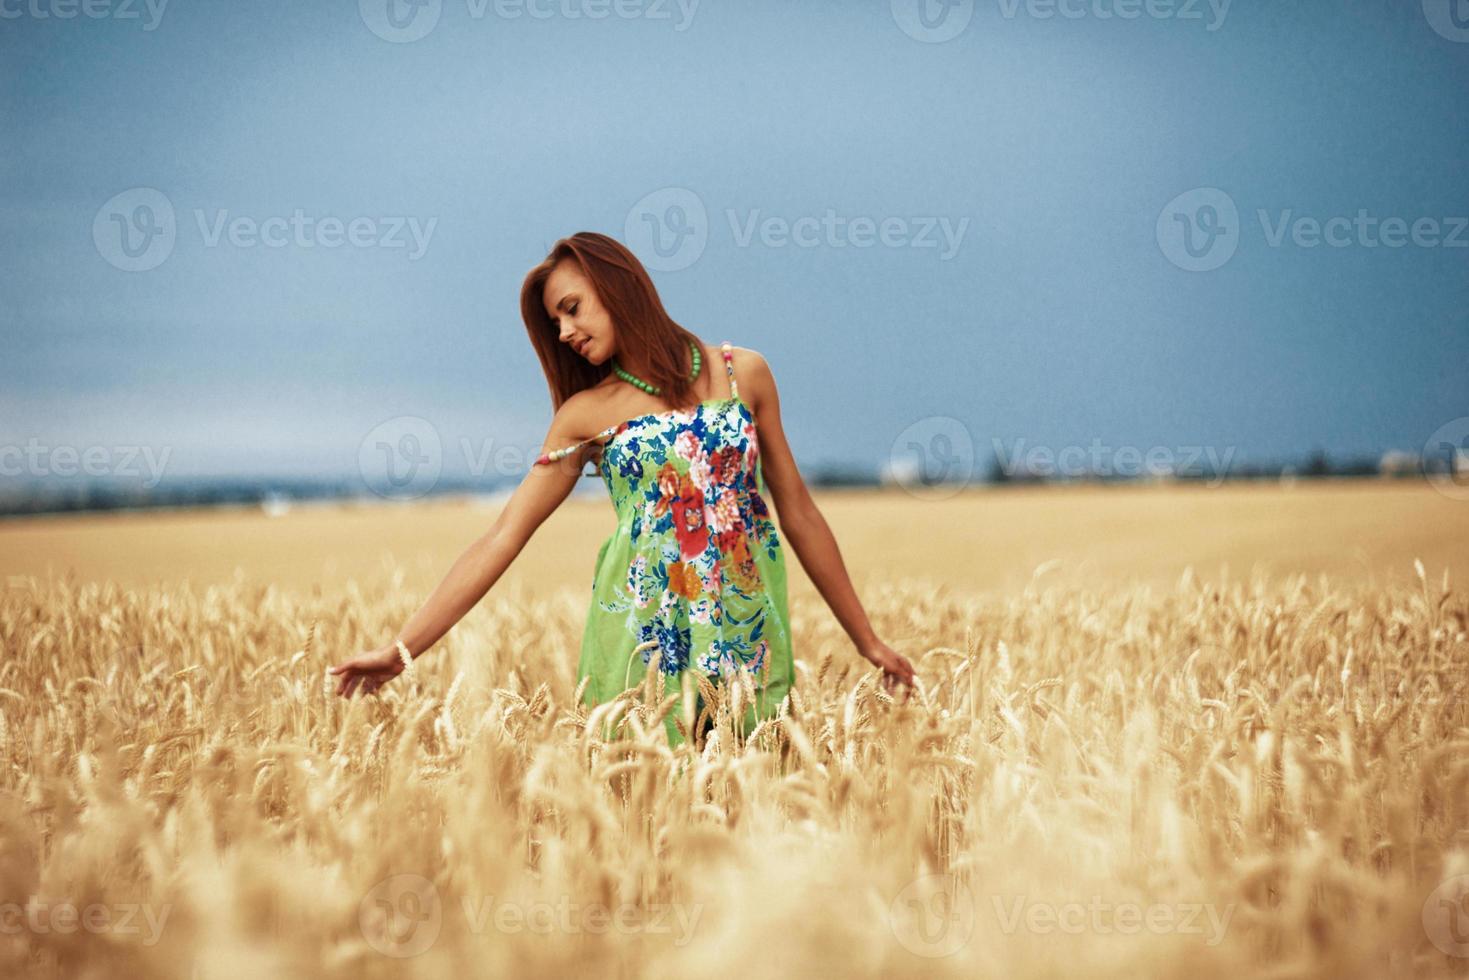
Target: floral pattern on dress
{"type": "Point", "coordinates": [687, 483]}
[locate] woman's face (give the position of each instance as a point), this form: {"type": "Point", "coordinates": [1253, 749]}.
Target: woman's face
{"type": "Point", "coordinates": [572, 304]}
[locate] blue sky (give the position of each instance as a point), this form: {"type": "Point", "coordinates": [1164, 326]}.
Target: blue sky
{"type": "Point", "coordinates": [1062, 153]}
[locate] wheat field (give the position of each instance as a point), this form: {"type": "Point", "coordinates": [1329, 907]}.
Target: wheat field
{"type": "Point", "coordinates": [1186, 743]}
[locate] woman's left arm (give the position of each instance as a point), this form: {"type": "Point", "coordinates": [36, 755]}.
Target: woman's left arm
{"type": "Point", "coordinates": [802, 523]}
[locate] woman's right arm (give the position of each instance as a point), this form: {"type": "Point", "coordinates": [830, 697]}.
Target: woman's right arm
{"type": "Point", "coordinates": [479, 567]}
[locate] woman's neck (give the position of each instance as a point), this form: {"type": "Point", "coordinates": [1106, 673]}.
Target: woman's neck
{"type": "Point", "coordinates": [634, 362]}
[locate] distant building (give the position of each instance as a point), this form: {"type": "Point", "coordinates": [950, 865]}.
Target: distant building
{"type": "Point", "coordinates": [901, 471]}
{"type": "Point", "coordinates": [1396, 462]}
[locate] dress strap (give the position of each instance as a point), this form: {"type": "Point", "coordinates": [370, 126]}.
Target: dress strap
{"type": "Point", "coordinates": [728, 351]}
{"type": "Point", "coordinates": [565, 451]}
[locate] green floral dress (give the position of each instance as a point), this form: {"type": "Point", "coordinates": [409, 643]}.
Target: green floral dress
{"type": "Point", "coordinates": [694, 565]}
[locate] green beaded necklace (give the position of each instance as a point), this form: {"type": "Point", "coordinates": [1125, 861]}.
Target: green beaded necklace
{"type": "Point", "coordinates": [655, 389]}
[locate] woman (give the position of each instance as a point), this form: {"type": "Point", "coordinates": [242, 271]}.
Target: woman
{"type": "Point", "coordinates": [695, 572]}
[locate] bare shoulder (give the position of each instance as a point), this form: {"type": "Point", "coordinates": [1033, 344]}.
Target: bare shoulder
{"type": "Point", "coordinates": [752, 371]}
{"type": "Point", "coordinates": [576, 415]}
{"type": "Point", "coordinates": [589, 398]}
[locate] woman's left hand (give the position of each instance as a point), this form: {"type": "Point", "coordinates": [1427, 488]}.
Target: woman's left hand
{"type": "Point", "coordinates": [368, 671]}
{"type": "Point", "coordinates": [896, 667]}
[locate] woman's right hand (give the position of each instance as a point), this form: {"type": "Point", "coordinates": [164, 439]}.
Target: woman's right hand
{"type": "Point", "coordinates": [368, 671]}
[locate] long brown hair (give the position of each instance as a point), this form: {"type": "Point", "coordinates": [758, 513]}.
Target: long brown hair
{"type": "Point", "coordinates": [638, 316]}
